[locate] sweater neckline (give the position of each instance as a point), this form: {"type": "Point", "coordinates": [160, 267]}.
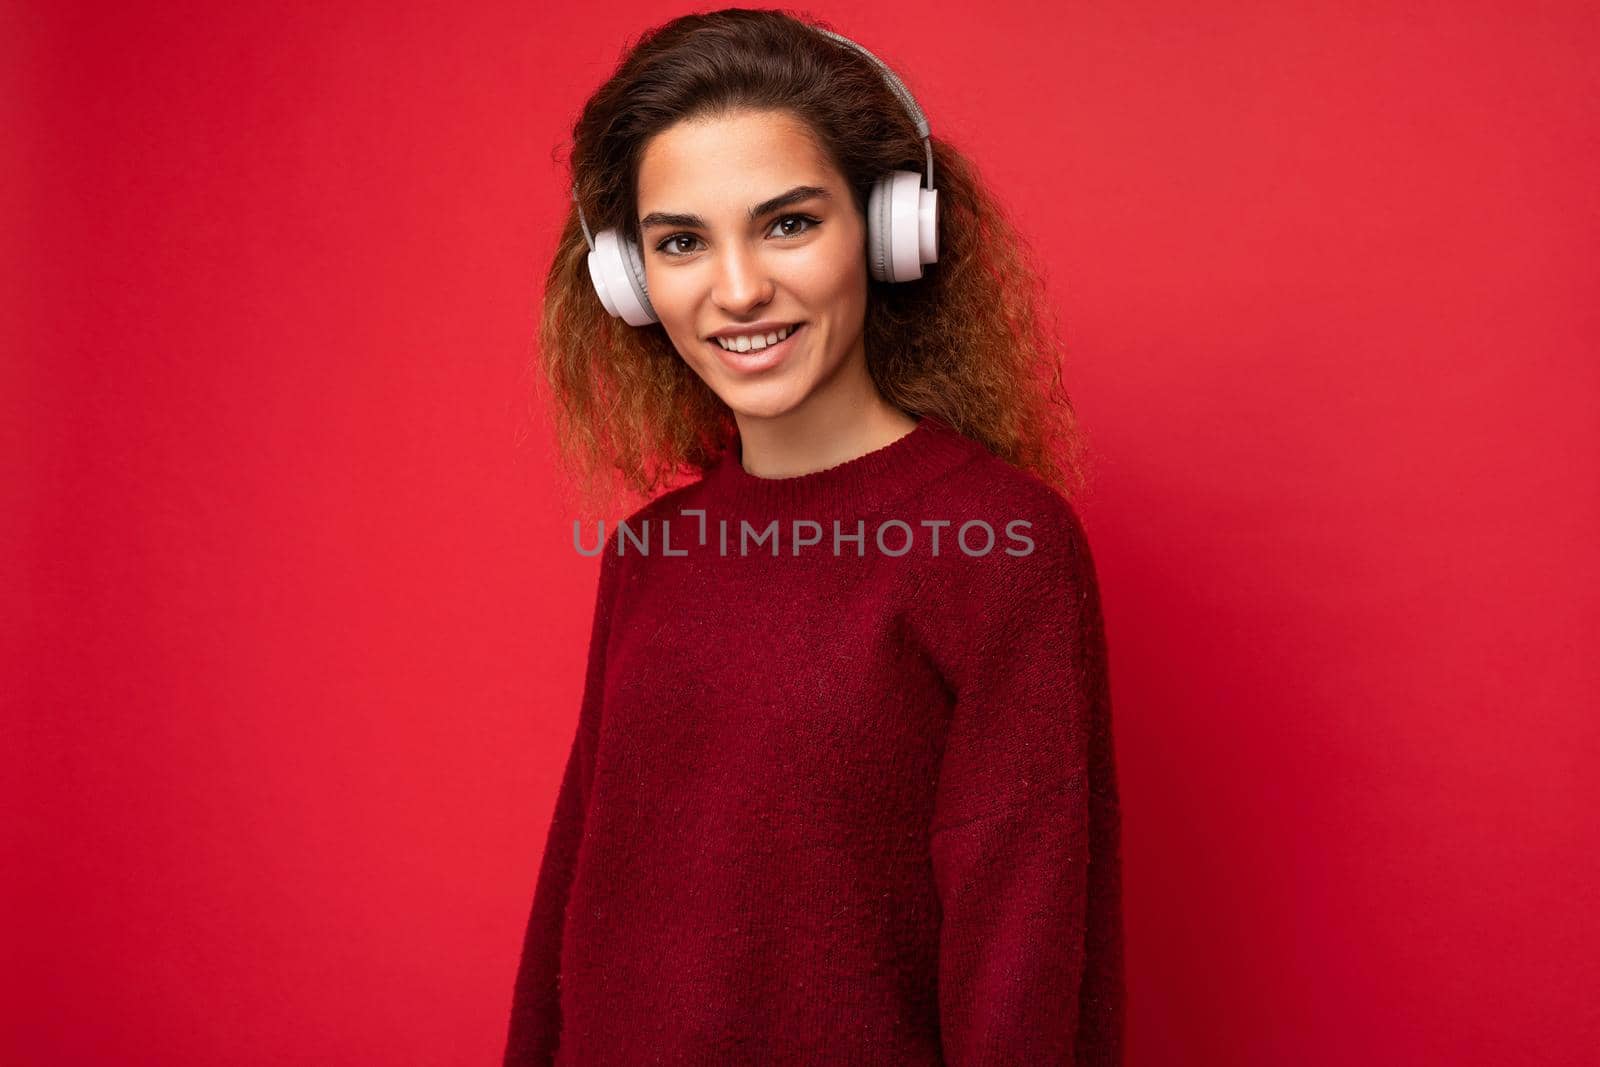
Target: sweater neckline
{"type": "Point", "coordinates": [877, 477]}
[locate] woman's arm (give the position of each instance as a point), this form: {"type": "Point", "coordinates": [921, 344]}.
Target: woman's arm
{"type": "Point", "coordinates": [1012, 833]}
{"type": "Point", "coordinates": [535, 1028]}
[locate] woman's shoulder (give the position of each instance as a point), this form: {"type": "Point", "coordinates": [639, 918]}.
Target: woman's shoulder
{"type": "Point", "coordinates": [992, 490]}
{"type": "Point", "coordinates": [1013, 548]}
{"type": "Point", "coordinates": [1036, 582]}
{"type": "Point", "coordinates": [656, 530]}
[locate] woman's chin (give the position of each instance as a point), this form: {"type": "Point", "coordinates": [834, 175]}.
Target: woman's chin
{"type": "Point", "coordinates": [765, 400]}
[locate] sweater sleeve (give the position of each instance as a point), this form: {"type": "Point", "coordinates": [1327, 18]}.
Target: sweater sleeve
{"type": "Point", "coordinates": [535, 1027]}
{"type": "Point", "coordinates": [1011, 828]}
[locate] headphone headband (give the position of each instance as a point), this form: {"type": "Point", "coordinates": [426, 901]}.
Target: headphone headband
{"type": "Point", "coordinates": [899, 89]}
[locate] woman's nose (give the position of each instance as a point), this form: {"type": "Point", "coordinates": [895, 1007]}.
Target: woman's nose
{"type": "Point", "coordinates": [742, 280]}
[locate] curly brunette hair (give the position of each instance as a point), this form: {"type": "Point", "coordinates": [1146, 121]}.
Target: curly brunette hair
{"type": "Point", "coordinates": [972, 341]}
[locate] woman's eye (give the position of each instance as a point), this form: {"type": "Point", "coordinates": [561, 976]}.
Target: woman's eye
{"type": "Point", "coordinates": [810, 224]}
{"type": "Point", "coordinates": [672, 248]}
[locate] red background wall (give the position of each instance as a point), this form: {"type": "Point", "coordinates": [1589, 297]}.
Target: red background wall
{"type": "Point", "coordinates": [295, 634]}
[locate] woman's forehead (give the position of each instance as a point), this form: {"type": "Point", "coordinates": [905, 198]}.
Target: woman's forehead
{"type": "Point", "coordinates": [733, 161]}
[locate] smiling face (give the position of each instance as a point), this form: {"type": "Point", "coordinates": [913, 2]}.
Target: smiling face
{"type": "Point", "coordinates": [746, 227]}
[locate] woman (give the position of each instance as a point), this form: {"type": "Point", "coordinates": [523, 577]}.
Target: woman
{"type": "Point", "coordinates": [843, 786]}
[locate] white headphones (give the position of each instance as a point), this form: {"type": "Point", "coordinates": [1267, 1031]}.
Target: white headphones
{"type": "Point", "coordinates": [902, 226]}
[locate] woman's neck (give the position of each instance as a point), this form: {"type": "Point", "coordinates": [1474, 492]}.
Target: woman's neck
{"type": "Point", "coordinates": [818, 436]}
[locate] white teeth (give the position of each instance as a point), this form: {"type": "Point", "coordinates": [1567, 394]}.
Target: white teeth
{"type": "Point", "coordinates": [754, 342]}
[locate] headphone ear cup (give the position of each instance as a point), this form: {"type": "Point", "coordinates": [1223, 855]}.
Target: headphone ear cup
{"type": "Point", "coordinates": [902, 227]}
{"type": "Point", "coordinates": [617, 273]}
{"type": "Point", "coordinates": [879, 231]}
{"type": "Point", "coordinates": [635, 263]}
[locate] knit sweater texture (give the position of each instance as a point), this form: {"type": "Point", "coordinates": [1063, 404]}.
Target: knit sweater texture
{"type": "Point", "coordinates": [844, 801]}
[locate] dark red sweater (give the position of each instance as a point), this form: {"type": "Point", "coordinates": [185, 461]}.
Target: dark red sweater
{"type": "Point", "coordinates": [837, 808]}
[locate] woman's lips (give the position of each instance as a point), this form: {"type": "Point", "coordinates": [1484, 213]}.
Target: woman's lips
{"type": "Point", "coordinates": [752, 361]}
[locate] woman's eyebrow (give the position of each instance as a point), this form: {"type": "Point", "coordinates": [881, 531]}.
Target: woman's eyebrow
{"type": "Point", "coordinates": [766, 207]}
